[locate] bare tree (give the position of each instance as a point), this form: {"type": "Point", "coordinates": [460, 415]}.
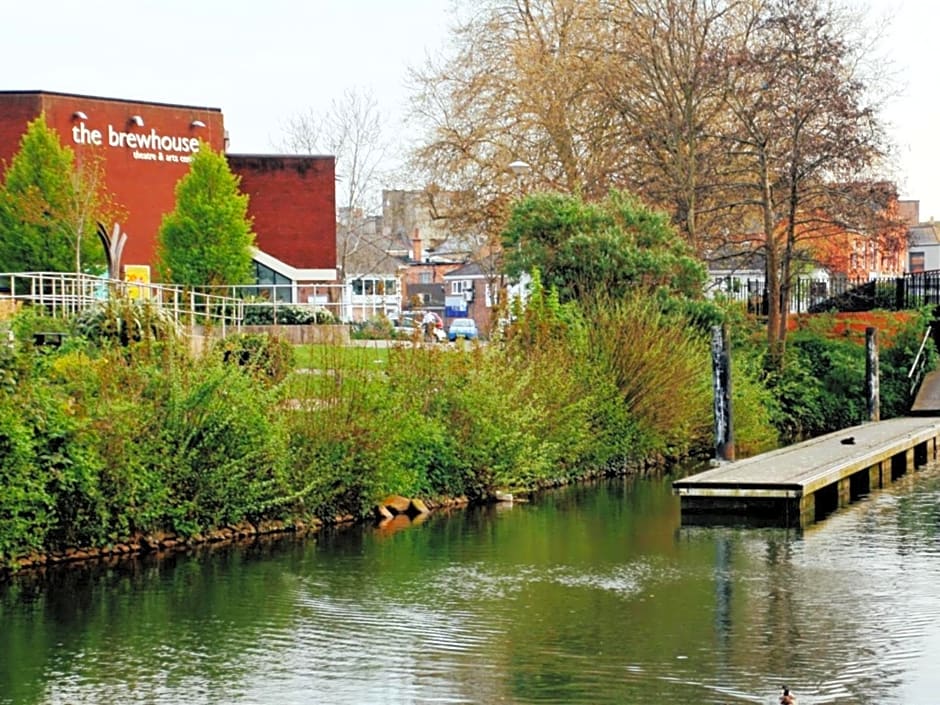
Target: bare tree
{"type": "Point", "coordinates": [805, 124]}
{"type": "Point", "coordinates": [744, 119]}
{"type": "Point", "coordinates": [519, 86]}
{"type": "Point", "coordinates": [659, 71]}
{"type": "Point", "coordinates": [352, 131]}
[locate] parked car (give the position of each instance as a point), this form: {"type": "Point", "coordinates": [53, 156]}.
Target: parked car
{"type": "Point", "coordinates": [465, 328]}
{"type": "Point", "coordinates": [410, 325]}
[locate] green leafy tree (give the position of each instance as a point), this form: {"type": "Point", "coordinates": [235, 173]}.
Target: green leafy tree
{"type": "Point", "coordinates": [207, 239]}
{"type": "Point", "coordinates": [50, 203]}
{"type": "Point", "coordinates": [610, 248]}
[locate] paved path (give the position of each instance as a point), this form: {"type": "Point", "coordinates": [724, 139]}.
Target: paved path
{"type": "Point", "coordinates": [927, 402]}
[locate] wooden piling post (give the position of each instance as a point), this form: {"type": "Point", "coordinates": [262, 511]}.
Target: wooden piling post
{"type": "Point", "coordinates": [721, 380]}
{"type": "Point", "coordinates": [872, 391]}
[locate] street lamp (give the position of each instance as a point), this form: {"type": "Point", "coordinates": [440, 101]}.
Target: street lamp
{"type": "Point", "coordinates": [520, 168]}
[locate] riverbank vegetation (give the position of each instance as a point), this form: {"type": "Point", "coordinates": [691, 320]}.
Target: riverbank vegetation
{"type": "Point", "coordinates": [122, 433]}
{"type": "Point", "coordinates": [102, 441]}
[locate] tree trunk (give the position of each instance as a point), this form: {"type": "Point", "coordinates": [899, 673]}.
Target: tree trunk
{"type": "Point", "coordinates": [792, 206]}
{"type": "Point", "coordinates": [773, 268]}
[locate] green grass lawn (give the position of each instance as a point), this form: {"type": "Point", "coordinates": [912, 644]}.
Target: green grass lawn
{"type": "Point", "coordinates": [336, 357]}
{"type": "Point", "coordinates": [316, 366]}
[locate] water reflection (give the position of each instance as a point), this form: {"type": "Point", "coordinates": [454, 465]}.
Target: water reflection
{"type": "Point", "coordinates": [589, 595]}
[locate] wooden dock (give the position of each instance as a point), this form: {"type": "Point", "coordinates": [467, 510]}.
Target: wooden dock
{"type": "Point", "coordinates": [802, 483]}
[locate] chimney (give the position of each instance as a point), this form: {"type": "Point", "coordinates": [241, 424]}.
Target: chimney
{"type": "Point", "coordinates": [417, 251]}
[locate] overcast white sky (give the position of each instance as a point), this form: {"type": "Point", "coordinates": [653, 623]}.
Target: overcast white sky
{"type": "Point", "coordinates": [263, 62]}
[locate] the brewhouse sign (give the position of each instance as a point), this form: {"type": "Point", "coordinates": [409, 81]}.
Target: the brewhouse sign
{"type": "Point", "coordinates": [146, 146]}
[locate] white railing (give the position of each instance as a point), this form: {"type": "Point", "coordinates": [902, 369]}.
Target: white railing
{"type": "Point", "coordinates": [284, 301]}
{"type": "Point", "coordinates": [919, 365]}
{"type": "Point", "coordinates": [65, 294]}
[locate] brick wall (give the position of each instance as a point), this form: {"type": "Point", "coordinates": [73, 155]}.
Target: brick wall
{"type": "Point", "coordinates": [292, 200]}
{"type": "Point", "coordinates": [140, 171]}
{"type": "Point", "coordinates": [15, 111]}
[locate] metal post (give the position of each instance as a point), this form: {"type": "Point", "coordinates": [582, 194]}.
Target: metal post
{"type": "Point", "coordinates": [872, 393]}
{"type": "Point", "coordinates": [721, 378]}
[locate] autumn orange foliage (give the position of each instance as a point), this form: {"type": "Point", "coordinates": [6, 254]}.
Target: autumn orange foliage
{"type": "Point", "coordinates": [853, 324]}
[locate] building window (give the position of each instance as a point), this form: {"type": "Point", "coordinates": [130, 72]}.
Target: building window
{"type": "Point", "coordinates": [460, 286]}
{"type": "Point", "coordinates": [367, 286]}
{"type": "Point", "coordinates": [916, 262]}
{"type": "Point", "coordinates": [426, 278]}
{"type": "Point", "coordinates": [271, 285]}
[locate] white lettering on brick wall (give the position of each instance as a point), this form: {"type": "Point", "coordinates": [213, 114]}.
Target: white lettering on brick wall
{"type": "Point", "coordinates": [145, 146]}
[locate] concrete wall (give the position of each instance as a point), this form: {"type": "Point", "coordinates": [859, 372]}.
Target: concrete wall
{"type": "Point", "coordinates": [306, 334]}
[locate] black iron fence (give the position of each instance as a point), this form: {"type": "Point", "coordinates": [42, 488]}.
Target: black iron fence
{"type": "Point", "coordinates": [809, 295]}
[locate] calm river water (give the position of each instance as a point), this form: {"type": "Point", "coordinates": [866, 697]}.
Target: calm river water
{"type": "Point", "coordinates": [589, 595]}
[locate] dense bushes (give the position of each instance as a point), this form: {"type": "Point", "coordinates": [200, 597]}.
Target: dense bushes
{"type": "Point", "coordinates": [821, 385]}
{"type": "Point", "coordinates": [267, 357]}
{"type": "Point", "coordinates": [98, 449]}
{"type": "Point", "coordinates": [124, 321]}
{"type": "Point", "coordinates": [111, 437]}
{"type": "Point", "coordinates": [266, 313]}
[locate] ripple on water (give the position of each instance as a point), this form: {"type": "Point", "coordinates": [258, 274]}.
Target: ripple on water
{"type": "Point", "coordinates": [845, 612]}
{"type": "Point", "coordinates": [483, 581]}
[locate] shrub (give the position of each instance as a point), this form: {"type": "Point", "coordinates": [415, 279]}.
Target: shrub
{"type": "Point", "coordinates": [266, 356]}
{"type": "Point", "coordinates": [34, 319]}
{"type": "Point", "coordinates": [754, 407]}
{"type": "Point", "coordinates": [649, 356]}
{"type": "Point", "coordinates": [420, 458]}
{"type": "Point", "coordinates": [265, 314]}
{"type": "Point", "coordinates": [334, 438]}
{"type": "Point", "coordinates": [25, 503]}
{"type": "Point", "coordinates": [374, 329]}
{"type": "Point", "coordinates": [821, 387]}
{"type": "Point", "coordinates": [118, 397]}
{"type": "Point", "coordinates": [124, 321]}
{"type": "Point", "coordinates": [61, 493]}
{"type": "Point", "coordinates": [221, 449]}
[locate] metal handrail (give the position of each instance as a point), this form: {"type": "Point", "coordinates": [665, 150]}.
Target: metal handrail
{"type": "Point", "coordinates": [67, 293]}
{"type": "Point", "coordinates": [920, 360]}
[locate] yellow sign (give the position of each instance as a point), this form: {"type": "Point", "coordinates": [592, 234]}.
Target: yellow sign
{"type": "Point", "coordinates": [137, 277]}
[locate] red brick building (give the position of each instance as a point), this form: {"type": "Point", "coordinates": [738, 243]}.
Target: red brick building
{"type": "Point", "coordinates": [292, 200]}
{"type": "Point", "coordinates": [146, 148]}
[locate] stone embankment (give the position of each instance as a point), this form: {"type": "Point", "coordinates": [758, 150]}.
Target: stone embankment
{"type": "Point", "coordinates": [392, 513]}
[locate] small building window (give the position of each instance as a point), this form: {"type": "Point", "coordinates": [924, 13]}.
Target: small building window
{"type": "Point", "coordinates": [917, 262]}
{"type": "Point", "coordinates": [368, 286]}
{"type": "Point", "coordinates": [272, 285]}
